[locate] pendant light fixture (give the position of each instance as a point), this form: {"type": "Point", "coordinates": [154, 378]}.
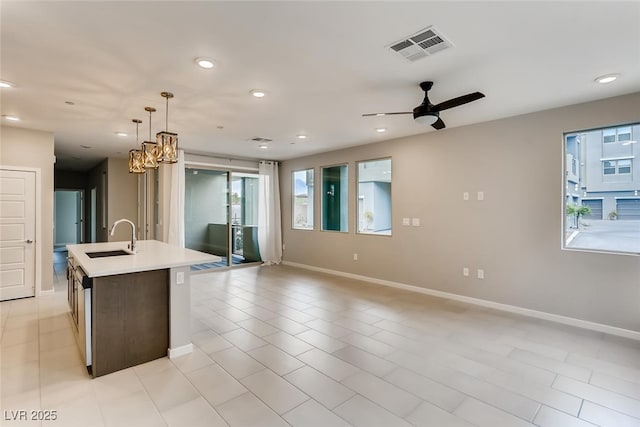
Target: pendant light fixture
{"type": "Point", "coordinates": [136, 158]}
{"type": "Point", "coordinates": [167, 141]}
{"type": "Point", "coordinates": [150, 149]}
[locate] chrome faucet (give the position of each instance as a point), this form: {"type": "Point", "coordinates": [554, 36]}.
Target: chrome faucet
{"type": "Point", "coordinates": [133, 232]}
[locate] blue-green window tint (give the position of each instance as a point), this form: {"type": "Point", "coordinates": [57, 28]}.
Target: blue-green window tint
{"type": "Point", "coordinates": [335, 201]}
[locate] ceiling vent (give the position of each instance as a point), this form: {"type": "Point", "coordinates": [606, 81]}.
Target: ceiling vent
{"type": "Point", "coordinates": [422, 44]}
{"type": "Point", "coordinates": [259, 139]}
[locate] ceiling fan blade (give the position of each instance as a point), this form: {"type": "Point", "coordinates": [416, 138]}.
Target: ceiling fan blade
{"type": "Point", "coordinates": [386, 114]}
{"type": "Point", "coordinates": [454, 102]}
{"type": "Point", "coordinates": [438, 124]}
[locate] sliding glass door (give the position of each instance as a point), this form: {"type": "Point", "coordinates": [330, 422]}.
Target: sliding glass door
{"type": "Point", "coordinates": [221, 215]}
{"type": "Point", "coordinates": [244, 217]}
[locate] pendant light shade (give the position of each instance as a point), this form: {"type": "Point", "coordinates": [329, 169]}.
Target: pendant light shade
{"type": "Point", "coordinates": [167, 142]}
{"type": "Point", "coordinates": [150, 149]}
{"type": "Point", "coordinates": [136, 158]}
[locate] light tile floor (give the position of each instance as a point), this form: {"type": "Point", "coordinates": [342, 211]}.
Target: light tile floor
{"type": "Point", "coordinates": [278, 346]}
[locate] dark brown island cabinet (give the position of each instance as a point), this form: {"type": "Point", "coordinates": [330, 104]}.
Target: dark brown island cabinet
{"type": "Point", "coordinates": [129, 309]}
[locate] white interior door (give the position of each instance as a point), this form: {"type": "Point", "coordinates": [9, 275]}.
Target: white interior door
{"type": "Point", "coordinates": [17, 234]}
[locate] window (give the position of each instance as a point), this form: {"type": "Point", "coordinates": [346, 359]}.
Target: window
{"type": "Point", "coordinates": [602, 200]}
{"type": "Point", "coordinates": [302, 204]}
{"type": "Point", "coordinates": [609, 135]}
{"type": "Point", "coordinates": [616, 167]}
{"type": "Point", "coordinates": [335, 202]}
{"type": "Point", "coordinates": [620, 134]}
{"type": "Point", "coordinates": [624, 166]}
{"type": "Point", "coordinates": [374, 197]}
{"type": "Point", "coordinates": [608, 168]}
{"type": "Point", "coordinates": [624, 134]}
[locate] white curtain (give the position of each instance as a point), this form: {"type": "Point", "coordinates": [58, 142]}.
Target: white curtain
{"type": "Point", "coordinates": [172, 191]}
{"type": "Point", "coordinates": [269, 226]}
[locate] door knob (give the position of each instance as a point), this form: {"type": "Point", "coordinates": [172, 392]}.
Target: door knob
{"type": "Point", "coordinates": [29, 241]}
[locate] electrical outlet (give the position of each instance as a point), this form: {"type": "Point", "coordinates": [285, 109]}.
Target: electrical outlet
{"type": "Point", "coordinates": [406, 221]}
{"type": "Point", "coordinates": [480, 195]}
{"type": "Point", "coordinates": [355, 257]}
{"type": "Point", "coordinates": [465, 195]}
{"type": "Point", "coordinates": [180, 278]}
{"type": "Point", "coordinates": [480, 273]}
{"type": "Point", "coordinates": [415, 222]}
{"type": "Point", "coordinates": [465, 271]}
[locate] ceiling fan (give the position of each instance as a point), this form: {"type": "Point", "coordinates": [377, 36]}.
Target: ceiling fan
{"type": "Point", "coordinates": [428, 113]}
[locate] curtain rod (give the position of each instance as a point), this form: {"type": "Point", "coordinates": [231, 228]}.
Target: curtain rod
{"type": "Point", "coordinates": [215, 165]}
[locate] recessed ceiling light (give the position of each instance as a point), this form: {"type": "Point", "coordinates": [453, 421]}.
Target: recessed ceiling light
{"type": "Point", "coordinates": [302, 136]}
{"type": "Point", "coordinates": [380, 130]}
{"type": "Point", "coordinates": [205, 63]}
{"type": "Point", "coordinates": [12, 118]}
{"type": "Point", "coordinates": [4, 83]}
{"type": "Point", "coordinates": [608, 78]}
{"type": "Point", "coordinates": [380, 114]}
{"type": "Point", "coordinates": [121, 134]}
{"type": "Point", "coordinates": [258, 93]}
{"type": "Point", "coordinates": [263, 146]}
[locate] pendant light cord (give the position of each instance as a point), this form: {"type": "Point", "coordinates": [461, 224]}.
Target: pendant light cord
{"type": "Point", "coordinates": [166, 122]}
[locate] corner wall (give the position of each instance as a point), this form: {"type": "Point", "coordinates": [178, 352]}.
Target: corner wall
{"type": "Point", "coordinates": [122, 198]}
{"type": "Point", "coordinates": [514, 234]}
{"type": "Point", "coordinates": [34, 149]}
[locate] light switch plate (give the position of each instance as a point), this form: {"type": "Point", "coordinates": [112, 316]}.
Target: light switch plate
{"type": "Point", "coordinates": [480, 195]}
{"type": "Point", "coordinates": [180, 278]}
{"type": "Point", "coordinates": [465, 195]}
{"type": "Point", "coordinates": [415, 222]}
{"type": "Point", "coordinates": [406, 221]}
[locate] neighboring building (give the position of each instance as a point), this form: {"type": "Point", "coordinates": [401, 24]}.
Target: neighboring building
{"type": "Point", "coordinates": [603, 171]}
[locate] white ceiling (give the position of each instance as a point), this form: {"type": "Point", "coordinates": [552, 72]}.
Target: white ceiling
{"type": "Point", "coordinates": [322, 65]}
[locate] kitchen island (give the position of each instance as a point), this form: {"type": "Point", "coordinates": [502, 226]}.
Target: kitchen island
{"type": "Point", "coordinates": [129, 308]}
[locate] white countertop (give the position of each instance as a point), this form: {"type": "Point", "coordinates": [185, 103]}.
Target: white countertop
{"type": "Point", "coordinates": [150, 255]}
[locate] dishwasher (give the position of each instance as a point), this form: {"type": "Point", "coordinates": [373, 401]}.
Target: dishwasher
{"type": "Point", "coordinates": [83, 285]}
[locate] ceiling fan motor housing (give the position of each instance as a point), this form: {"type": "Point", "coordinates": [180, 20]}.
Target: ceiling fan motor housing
{"type": "Point", "coordinates": [422, 114]}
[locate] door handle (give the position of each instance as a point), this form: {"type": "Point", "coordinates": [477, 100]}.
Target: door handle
{"type": "Point", "coordinates": [28, 241]}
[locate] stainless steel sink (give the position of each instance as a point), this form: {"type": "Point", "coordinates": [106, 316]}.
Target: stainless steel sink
{"type": "Point", "coordinates": [102, 254]}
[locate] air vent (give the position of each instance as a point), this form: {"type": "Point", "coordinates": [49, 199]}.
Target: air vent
{"type": "Point", "coordinates": [259, 139]}
{"type": "Point", "coordinates": [422, 44]}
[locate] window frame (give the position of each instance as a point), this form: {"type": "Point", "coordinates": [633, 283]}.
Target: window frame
{"type": "Point", "coordinates": [615, 165]}
{"type": "Point", "coordinates": [616, 134]}
{"type": "Point", "coordinates": [589, 187]}
{"type": "Point", "coordinates": [357, 197]}
{"type": "Point", "coordinates": [312, 200]}
{"type": "Point", "coordinates": [322, 199]}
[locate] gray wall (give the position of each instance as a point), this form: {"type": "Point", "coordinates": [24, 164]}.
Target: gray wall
{"type": "Point", "coordinates": [67, 216]}
{"type": "Point", "coordinates": [514, 234]}
{"type": "Point", "coordinates": [116, 197]}
{"type": "Point", "coordinates": [122, 198]}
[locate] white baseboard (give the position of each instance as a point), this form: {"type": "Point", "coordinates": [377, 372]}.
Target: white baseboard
{"type": "Point", "coordinates": [180, 351]}
{"type": "Point", "coordinates": [585, 324]}
{"type": "Point", "coordinates": [47, 292]}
